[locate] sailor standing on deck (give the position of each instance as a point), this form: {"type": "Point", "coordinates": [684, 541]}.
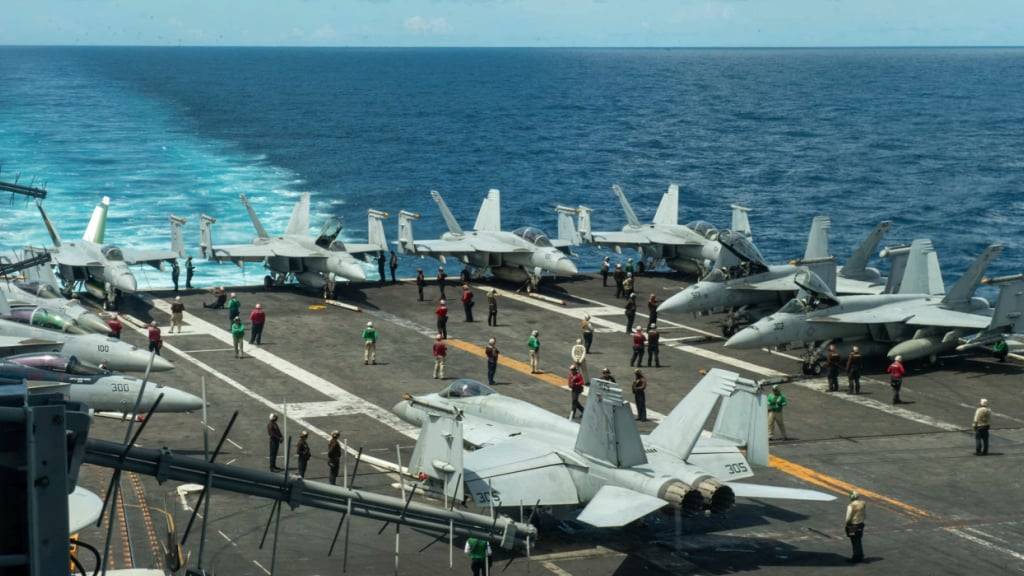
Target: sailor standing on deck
{"type": "Point", "coordinates": [258, 318]}
{"type": "Point", "coordinates": [440, 355]}
{"type": "Point", "coordinates": [421, 282]}
{"type": "Point", "coordinates": [653, 339]}
{"type": "Point", "coordinates": [854, 365]}
{"type": "Point", "coordinates": [981, 423]}
{"type": "Point", "coordinates": [175, 273]}
{"type": "Point", "coordinates": [638, 347]}
{"type": "Point", "coordinates": [381, 262]}
{"type": "Point", "coordinates": [832, 360]}
{"type": "Point", "coordinates": [369, 344]}
{"type": "Point", "coordinates": [190, 271]}
{"type": "Point", "coordinates": [533, 348]}
{"type": "Point", "coordinates": [652, 310]}
{"type": "Point", "coordinates": [855, 515]}
{"type": "Point", "coordinates": [640, 395]}
{"type": "Point", "coordinates": [620, 277]}
{"type": "Point", "coordinates": [393, 266]}
{"type": "Point", "coordinates": [587, 330]}
{"type": "Point", "coordinates": [630, 312]}
{"type": "Point", "coordinates": [776, 402]}
{"type": "Point", "coordinates": [479, 552]}
{"type": "Point", "coordinates": [896, 372]}
{"type": "Point", "coordinates": [333, 458]}
{"type": "Point", "coordinates": [156, 341]}
{"type": "Point", "coordinates": [275, 436]}
{"type": "Point", "coordinates": [441, 276]}
{"type": "Point", "coordinates": [442, 318]}
{"type": "Point", "coordinates": [576, 384]}
{"type": "Point", "coordinates": [492, 307]}
{"type": "Point", "coordinates": [493, 354]}
{"type": "Point", "coordinates": [115, 326]}
{"type": "Point", "coordinates": [605, 270]}
{"type": "Point", "coordinates": [303, 452]}
{"type": "Point", "coordinates": [177, 311]}
{"type": "Point", "coordinates": [467, 302]}
{"type": "Point", "coordinates": [238, 336]}
{"type": "Point", "coordinates": [234, 307]}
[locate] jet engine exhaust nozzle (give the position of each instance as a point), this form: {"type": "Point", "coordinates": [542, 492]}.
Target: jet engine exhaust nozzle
{"type": "Point", "coordinates": [718, 497]}
{"type": "Point", "coordinates": [682, 496]}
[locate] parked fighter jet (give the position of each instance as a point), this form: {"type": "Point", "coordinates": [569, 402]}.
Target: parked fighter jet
{"type": "Point", "coordinates": [523, 254]}
{"type": "Point", "coordinates": [744, 284]}
{"type": "Point", "coordinates": [528, 456]}
{"type": "Point", "coordinates": [295, 253]}
{"type": "Point", "coordinates": [103, 269]}
{"type": "Point", "coordinates": [49, 301]}
{"type": "Point", "coordinates": [686, 248]}
{"type": "Point", "coordinates": [101, 390]}
{"type": "Point", "coordinates": [91, 349]}
{"type": "Point", "coordinates": [919, 321]}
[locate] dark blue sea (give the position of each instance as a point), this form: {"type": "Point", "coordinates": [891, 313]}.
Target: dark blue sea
{"type": "Point", "coordinates": [930, 138]}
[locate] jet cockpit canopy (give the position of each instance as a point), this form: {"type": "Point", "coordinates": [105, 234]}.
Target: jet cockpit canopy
{"type": "Point", "coordinates": [466, 388]}
{"type": "Point", "coordinates": [533, 235]}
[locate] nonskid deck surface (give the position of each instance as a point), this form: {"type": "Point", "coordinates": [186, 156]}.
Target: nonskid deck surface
{"type": "Point", "coordinates": [933, 507]}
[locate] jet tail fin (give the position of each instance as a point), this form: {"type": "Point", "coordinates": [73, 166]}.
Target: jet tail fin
{"type": "Point", "coordinates": [260, 230]}
{"type": "Point", "coordinates": [567, 233]}
{"type": "Point", "coordinates": [608, 431]}
{"type": "Point", "coordinates": [679, 431]}
{"type": "Point", "coordinates": [206, 235]}
{"type": "Point", "coordinates": [740, 220]}
{"type": "Point", "coordinates": [449, 219]}
{"type": "Point", "coordinates": [963, 290]}
{"type": "Point", "coordinates": [897, 256]}
{"type": "Point", "coordinates": [1008, 314]}
{"type": "Point", "coordinates": [626, 208]}
{"type": "Point", "coordinates": [375, 229]}
{"type": "Point", "coordinates": [97, 227]}
{"type": "Point", "coordinates": [489, 217]}
{"type": "Point", "coordinates": [817, 239]}
{"type": "Point", "coordinates": [438, 452]}
{"type": "Point", "coordinates": [177, 241]}
{"type": "Point", "coordinates": [584, 222]}
{"type": "Point", "coordinates": [856, 265]}
{"type": "Point", "coordinates": [921, 274]}
{"type": "Point", "coordinates": [406, 243]}
{"type": "Point", "coordinates": [50, 228]}
{"type": "Point", "coordinates": [743, 419]}
{"type": "Point", "coordinates": [298, 224]}
{"type": "Point", "coordinates": [668, 209]}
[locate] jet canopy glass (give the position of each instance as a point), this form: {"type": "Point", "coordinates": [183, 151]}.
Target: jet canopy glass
{"type": "Point", "coordinates": [533, 235]}
{"type": "Point", "coordinates": [704, 228]}
{"type": "Point", "coordinates": [112, 253]}
{"type": "Point", "coordinates": [742, 247]}
{"type": "Point", "coordinates": [328, 232]}
{"type": "Point", "coordinates": [466, 388]}
{"type": "Point", "coordinates": [56, 363]}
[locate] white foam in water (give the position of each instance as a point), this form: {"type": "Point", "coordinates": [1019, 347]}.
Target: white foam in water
{"type": "Point", "coordinates": [117, 142]}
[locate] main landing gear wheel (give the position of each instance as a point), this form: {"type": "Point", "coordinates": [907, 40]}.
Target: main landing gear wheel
{"type": "Point", "coordinates": [811, 368]}
{"type": "Point", "coordinates": [728, 330]}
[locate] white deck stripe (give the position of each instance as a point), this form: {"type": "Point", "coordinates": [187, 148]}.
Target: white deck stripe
{"type": "Point", "coordinates": [300, 374]}
{"type": "Point", "coordinates": [989, 545]}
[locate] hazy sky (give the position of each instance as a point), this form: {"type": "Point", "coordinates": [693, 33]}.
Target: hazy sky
{"type": "Point", "coordinates": [515, 22]}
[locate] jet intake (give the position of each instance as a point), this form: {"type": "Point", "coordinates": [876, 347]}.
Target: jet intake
{"type": "Point", "coordinates": [717, 496]}
{"type": "Point", "coordinates": [682, 496]}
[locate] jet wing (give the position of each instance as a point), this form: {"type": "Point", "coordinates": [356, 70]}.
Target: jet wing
{"type": "Point", "coordinates": [479, 432]}
{"type": "Point", "coordinates": [73, 258]}
{"type": "Point", "coordinates": [155, 257]}
{"type": "Point", "coordinates": [781, 284]}
{"type": "Point", "coordinates": [257, 252]}
{"type": "Point", "coordinates": [18, 345]}
{"type": "Point", "coordinates": [744, 490]}
{"type": "Point", "coordinates": [933, 316]}
{"type": "Point", "coordinates": [893, 314]}
{"type": "Point", "coordinates": [468, 245]}
{"type": "Point", "coordinates": [614, 506]}
{"type": "Point", "coordinates": [858, 287]}
{"type": "Point", "coordinates": [620, 238]}
{"type": "Point", "coordinates": [519, 471]}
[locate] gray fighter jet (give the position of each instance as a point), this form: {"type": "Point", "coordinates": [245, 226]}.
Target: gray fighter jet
{"type": "Point", "coordinates": [527, 456]}
{"type": "Point", "coordinates": [90, 349]}
{"type": "Point", "coordinates": [48, 300]}
{"type": "Point", "coordinates": [101, 390]}
{"type": "Point", "coordinates": [746, 286]}
{"type": "Point", "coordinates": [921, 320]}
{"type": "Point", "coordinates": [688, 248]}
{"type": "Point", "coordinates": [523, 254]}
{"type": "Point", "coordinates": [103, 269]}
{"type": "Point", "coordinates": [295, 254]}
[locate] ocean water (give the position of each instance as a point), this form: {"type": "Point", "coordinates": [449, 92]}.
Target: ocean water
{"type": "Point", "coordinates": [932, 139]}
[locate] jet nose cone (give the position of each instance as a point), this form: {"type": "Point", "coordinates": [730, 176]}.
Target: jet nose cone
{"type": "Point", "coordinates": [125, 282]}
{"type": "Point", "coordinates": [161, 364]}
{"type": "Point", "coordinates": [749, 337]}
{"type": "Point", "coordinates": [565, 267]}
{"type": "Point", "coordinates": [179, 401]}
{"type": "Point", "coordinates": [677, 303]}
{"type": "Point", "coordinates": [92, 323]}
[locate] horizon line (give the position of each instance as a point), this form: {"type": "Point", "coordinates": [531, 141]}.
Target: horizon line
{"type": "Point", "coordinates": [534, 47]}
